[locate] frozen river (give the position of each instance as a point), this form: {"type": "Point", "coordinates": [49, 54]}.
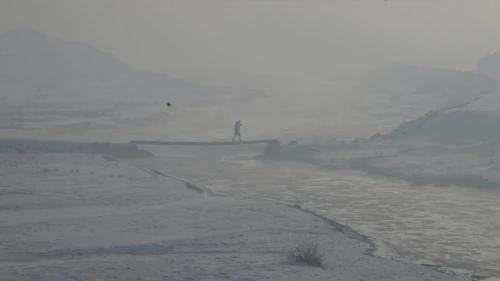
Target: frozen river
{"type": "Point", "coordinates": [450, 226]}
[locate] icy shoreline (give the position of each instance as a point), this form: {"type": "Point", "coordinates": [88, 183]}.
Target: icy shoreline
{"type": "Point", "coordinates": [336, 225]}
{"type": "Point", "coordinates": [89, 218]}
{"type": "Point", "coordinates": [378, 249]}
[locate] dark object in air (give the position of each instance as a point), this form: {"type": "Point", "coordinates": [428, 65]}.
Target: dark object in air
{"type": "Point", "coordinates": [168, 104]}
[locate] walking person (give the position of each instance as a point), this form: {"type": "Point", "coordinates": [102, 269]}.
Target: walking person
{"type": "Point", "coordinates": [237, 133]}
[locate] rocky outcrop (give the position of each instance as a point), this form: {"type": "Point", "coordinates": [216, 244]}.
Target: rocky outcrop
{"type": "Point", "coordinates": [273, 150]}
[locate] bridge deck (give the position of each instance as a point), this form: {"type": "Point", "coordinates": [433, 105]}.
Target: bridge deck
{"type": "Point", "coordinates": [145, 142]}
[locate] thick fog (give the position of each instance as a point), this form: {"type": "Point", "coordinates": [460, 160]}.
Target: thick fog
{"type": "Point", "coordinates": [269, 37]}
{"type": "Point", "coordinates": [301, 55]}
{"type": "Point", "coordinates": [380, 117]}
{"type": "Point", "coordinates": [297, 50]}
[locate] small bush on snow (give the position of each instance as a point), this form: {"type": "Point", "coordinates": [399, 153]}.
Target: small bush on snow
{"type": "Point", "coordinates": [308, 252]}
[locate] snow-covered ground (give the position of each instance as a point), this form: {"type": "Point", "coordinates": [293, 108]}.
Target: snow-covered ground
{"type": "Point", "coordinates": [80, 217]}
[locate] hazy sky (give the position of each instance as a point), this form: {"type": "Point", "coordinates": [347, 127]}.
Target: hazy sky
{"type": "Point", "coordinates": [272, 37]}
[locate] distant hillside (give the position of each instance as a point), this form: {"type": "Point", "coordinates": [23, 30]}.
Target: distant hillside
{"type": "Point", "coordinates": [35, 65]}
{"type": "Point", "coordinates": [442, 87]}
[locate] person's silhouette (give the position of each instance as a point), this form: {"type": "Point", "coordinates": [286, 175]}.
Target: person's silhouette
{"type": "Point", "coordinates": [237, 127]}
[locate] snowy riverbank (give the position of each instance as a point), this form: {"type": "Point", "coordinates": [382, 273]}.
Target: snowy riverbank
{"type": "Point", "coordinates": [473, 166]}
{"type": "Point", "coordinates": [80, 217]}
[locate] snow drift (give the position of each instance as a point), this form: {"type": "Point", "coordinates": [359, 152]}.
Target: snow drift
{"type": "Point", "coordinates": [441, 148]}
{"type": "Point", "coordinates": [33, 146]}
